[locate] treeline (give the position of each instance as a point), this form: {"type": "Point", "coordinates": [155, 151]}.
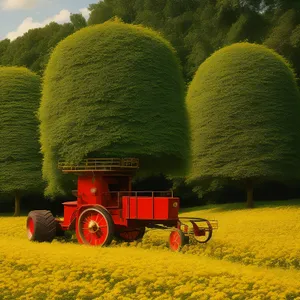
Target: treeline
{"type": "Point", "coordinates": [196, 29]}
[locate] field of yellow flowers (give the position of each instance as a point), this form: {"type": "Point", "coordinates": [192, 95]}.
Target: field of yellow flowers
{"type": "Point", "coordinates": [255, 254]}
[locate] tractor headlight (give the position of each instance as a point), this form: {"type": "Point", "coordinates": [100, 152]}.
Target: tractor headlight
{"type": "Point", "coordinates": [93, 190]}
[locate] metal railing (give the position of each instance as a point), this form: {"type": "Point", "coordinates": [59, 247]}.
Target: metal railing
{"type": "Point", "coordinates": [112, 200]}
{"type": "Point", "coordinates": [213, 223]}
{"type": "Point", "coordinates": [101, 164]}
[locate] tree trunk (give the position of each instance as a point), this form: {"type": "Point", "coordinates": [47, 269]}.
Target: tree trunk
{"type": "Point", "coordinates": [249, 187]}
{"type": "Point", "coordinates": [17, 205]}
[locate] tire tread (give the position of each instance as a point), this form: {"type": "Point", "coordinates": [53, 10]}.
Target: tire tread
{"type": "Point", "coordinates": [44, 225]}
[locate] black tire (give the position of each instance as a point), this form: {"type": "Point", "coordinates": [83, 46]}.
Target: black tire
{"type": "Point", "coordinates": [41, 226]}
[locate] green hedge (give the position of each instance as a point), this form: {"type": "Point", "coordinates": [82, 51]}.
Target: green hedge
{"type": "Point", "coordinates": [114, 90]}
{"type": "Point", "coordinates": [243, 104]}
{"type": "Point", "coordinates": [20, 157]}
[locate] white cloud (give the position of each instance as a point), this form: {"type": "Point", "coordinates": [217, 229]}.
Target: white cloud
{"type": "Point", "coordinates": [85, 12]}
{"type": "Point", "coordinates": [24, 27]}
{"type": "Point", "coordinates": [62, 17]}
{"type": "Point", "coordinates": [18, 4]}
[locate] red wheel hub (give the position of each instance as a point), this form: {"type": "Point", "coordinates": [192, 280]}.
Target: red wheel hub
{"type": "Point", "coordinates": [93, 227]}
{"type": "Point", "coordinates": [30, 228]}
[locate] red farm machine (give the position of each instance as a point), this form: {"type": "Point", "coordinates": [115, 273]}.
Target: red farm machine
{"type": "Point", "coordinates": [107, 208]}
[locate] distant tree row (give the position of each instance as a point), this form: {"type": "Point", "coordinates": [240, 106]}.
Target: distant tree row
{"type": "Point", "coordinates": [33, 49]}
{"type": "Point", "coordinates": [196, 28]}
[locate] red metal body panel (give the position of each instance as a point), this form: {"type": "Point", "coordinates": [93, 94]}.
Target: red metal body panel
{"type": "Point", "coordinates": [127, 208]}
{"type": "Point", "coordinates": [150, 208]}
{"type": "Point", "coordinates": [69, 213]}
{"type": "Point", "coordinates": [85, 188]}
{"type": "Point", "coordinates": [103, 186]}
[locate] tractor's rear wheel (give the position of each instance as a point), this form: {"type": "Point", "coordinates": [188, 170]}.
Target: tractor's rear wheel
{"type": "Point", "coordinates": [130, 235]}
{"type": "Point", "coordinates": [177, 240]}
{"type": "Point", "coordinates": [41, 226]}
{"type": "Point", "coordinates": [95, 227]}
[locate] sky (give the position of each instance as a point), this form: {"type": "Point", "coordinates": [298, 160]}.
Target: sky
{"type": "Point", "coordinates": [18, 16]}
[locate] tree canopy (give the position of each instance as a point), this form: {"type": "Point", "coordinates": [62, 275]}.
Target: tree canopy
{"type": "Point", "coordinates": [78, 21]}
{"type": "Point", "coordinates": [244, 109]}
{"type": "Point", "coordinates": [20, 158]}
{"type": "Point", "coordinates": [114, 90]}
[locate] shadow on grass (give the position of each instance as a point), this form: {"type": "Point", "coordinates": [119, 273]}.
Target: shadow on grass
{"type": "Point", "coordinates": [242, 206]}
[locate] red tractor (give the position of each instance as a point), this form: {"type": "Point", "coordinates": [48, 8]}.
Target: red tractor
{"type": "Point", "coordinates": [107, 208]}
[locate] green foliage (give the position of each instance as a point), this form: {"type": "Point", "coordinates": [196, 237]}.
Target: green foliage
{"type": "Point", "coordinates": [284, 36]}
{"type": "Point", "coordinates": [100, 13]}
{"type": "Point", "coordinates": [295, 37]}
{"type": "Point", "coordinates": [3, 46]}
{"type": "Point", "coordinates": [20, 158]}
{"type": "Point", "coordinates": [250, 26]}
{"type": "Point", "coordinates": [114, 90]}
{"type": "Point", "coordinates": [244, 109]}
{"type": "Point", "coordinates": [33, 49]}
{"type": "Point", "coordinates": [194, 28]}
{"type": "Point", "coordinates": [279, 36]}
{"type": "Point", "coordinates": [123, 9]}
{"type": "Point", "coordinates": [213, 25]}
{"type": "Point", "coordinates": [271, 5]}
{"type": "Point", "coordinates": [78, 21]}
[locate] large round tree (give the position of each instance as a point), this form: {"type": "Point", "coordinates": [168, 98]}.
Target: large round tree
{"type": "Point", "coordinates": [114, 90]}
{"type": "Point", "coordinates": [20, 158]}
{"type": "Point", "coordinates": [243, 105]}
